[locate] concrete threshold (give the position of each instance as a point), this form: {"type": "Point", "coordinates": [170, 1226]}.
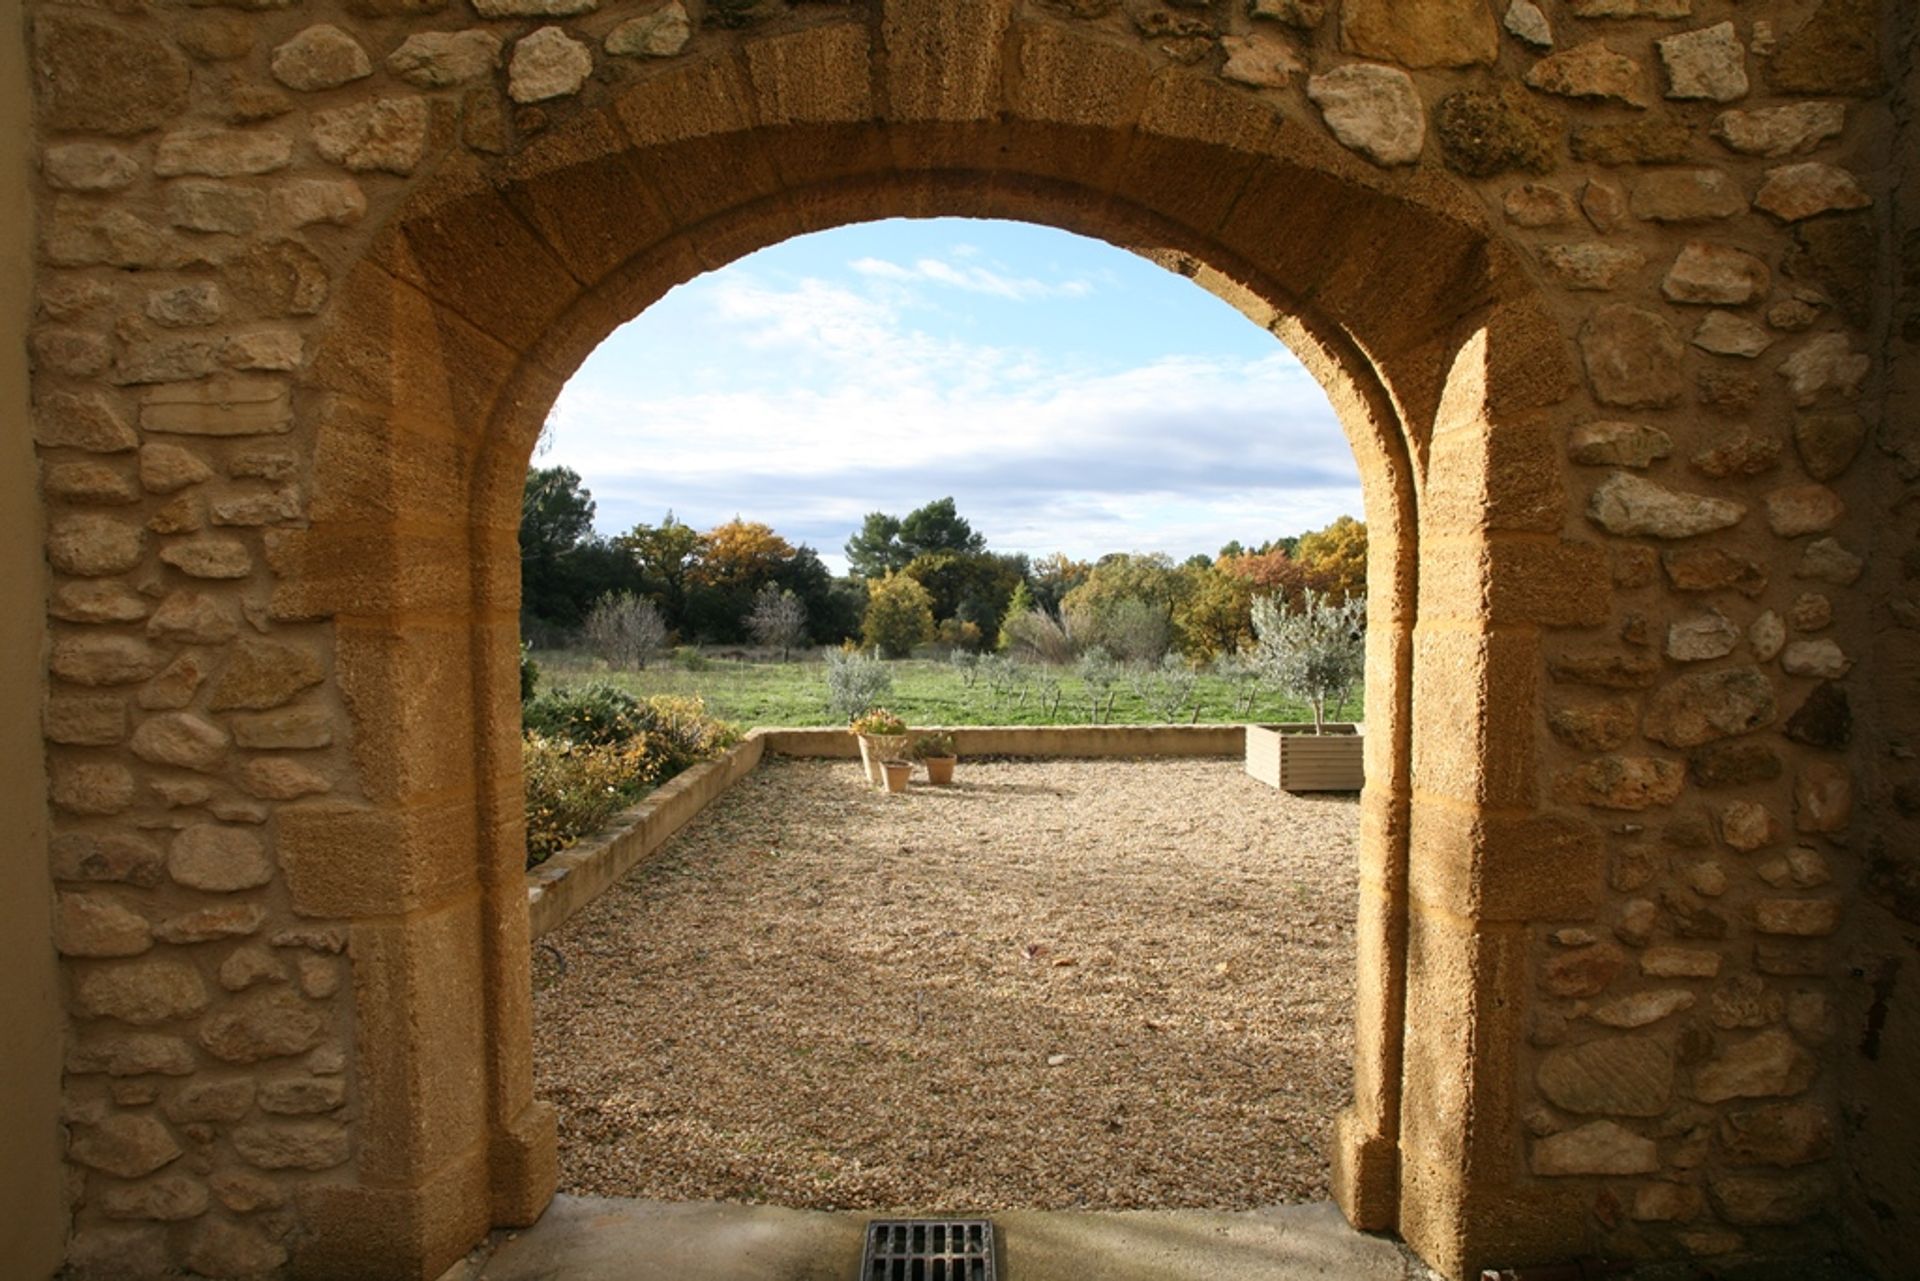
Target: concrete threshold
{"type": "Point", "coordinates": [605, 1239]}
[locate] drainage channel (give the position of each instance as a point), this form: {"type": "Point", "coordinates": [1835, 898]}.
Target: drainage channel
{"type": "Point", "coordinates": [929, 1250]}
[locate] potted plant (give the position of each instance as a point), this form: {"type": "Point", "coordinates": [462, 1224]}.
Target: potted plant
{"type": "Point", "coordinates": [1316, 654]}
{"type": "Point", "coordinates": [935, 751]}
{"type": "Point", "coordinates": [897, 772]}
{"type": "Point", "coordinates": [882, 736]}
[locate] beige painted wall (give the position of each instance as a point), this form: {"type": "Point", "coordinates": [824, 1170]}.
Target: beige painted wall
{"type": "Point", "coordinates": [33, 1228]}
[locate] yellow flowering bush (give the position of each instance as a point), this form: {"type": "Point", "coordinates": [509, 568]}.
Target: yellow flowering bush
{"type": "Point", "coordinates": [581, 770]}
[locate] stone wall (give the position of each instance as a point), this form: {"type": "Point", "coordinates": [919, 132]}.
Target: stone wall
{"type": "Point", "coordinates": [1595, 285]}
{"type": "Point", "coordinates": [33, 1231]}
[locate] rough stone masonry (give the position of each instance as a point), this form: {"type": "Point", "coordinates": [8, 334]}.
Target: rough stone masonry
{"type": "Point", "coordinates": [1616, 298]}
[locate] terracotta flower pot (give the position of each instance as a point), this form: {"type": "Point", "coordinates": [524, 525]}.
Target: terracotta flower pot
{"type": "Point", "coordinates": [939, 769]}
{"type": "Point", "coordinates": [875, 748]}
{"type": "Point", "coordinates": [897, 773]}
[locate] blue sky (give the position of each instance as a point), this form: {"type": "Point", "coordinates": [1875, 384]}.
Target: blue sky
{"type": "Point", "coordinates": [1070, 396]}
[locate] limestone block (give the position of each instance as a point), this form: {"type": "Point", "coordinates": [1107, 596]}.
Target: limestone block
{"type": "Point", "coordinates": [291, 727]}
{"type": "Point", "coordinates": [90, 787]}
{"type": "Point", "coordinates": [1710, 63]}
{"type": "Point", "coordinates": [387, 134]}
{"type": "Point", "coordinates": [1593, 727]}
{"type": "Point", "coordinates": [101, 76]}
{"type": "Point", "coordinates": [88, 166]}
{"type": "Point", "coordinates": [293, 1145]}
{"type": "Point", "coordinates": [547, 64]}
{"type": "Point", "coordinates": [1717, 275]}
{"type": "Point", "coordinates": [1263, 60]}
{"type": "Point", "coordinates": [218, 859]}
{"type": "Point", "coordinates": [1823, 367]}
{"type": "Point", "coordinates": [1632, 357]}
{"type": "Point", "coordinates": [1777, 132]}
{"type": "Point", "coordinates": [222, 153]}
{"type": "Point", "coordinates": [1629, 504]}
{"type": "Point", "coordinates": [209, 557]}
{"type": "Point", "coordinates": [181, 739]}
{"type": "Point", "coordinates": [230, 208]}
{"type": "Point", "coordinates": [1622, 782]}
{"type": "Point", "coordinates": [1743, 455]}
{"type": "Point", "coordinates": [1805, 917]}
{"type": "Point", "coordinates": [127, 1145]}
{"type": "Point", "coordinates": [1828, 441]}
{"type": "Point", "coordinates": [320, 57]}
{"type": "Point", "coordinates": [98, 925]}
{"type": "Point", "coordinates": [65, 420]}
{"type": "Point", "coordinates": [1599, 1147]}
{"type": "Point", "coordinates": [247, 966]}
{"type": "Point", "coordinates": [440, 59]}
{"type": "Point", "coordinates": [1725, 334]}
{"type": "Point", "coordinates": [205, 925]}
{"type": "Point", "coordinates": [303, 202]}
{"type": "Point", "coordinates": [262, 1024]}
{"type": "Point", "coordinates": [302, 1095]}
{"type": "Point", "coordinates": [1640, 1009]}
{"type": "Point", "coordinates": [1526, 23]}
{"type": "Point", "coordinates": [130, 1054]}
{"type": "Point", "coordinates": [1590, 70]}
{"type": "Point", "coordinates": [1538, 204]}
{"type": "Point", "coordinates": [94, 546]}
{"type": "Point", "coordinates": [1795, 192]}
{"type": "Point", "coordinates": [1437, 33]}
{"type": "Point", "coordinates": [1613, 443]}
{"type": "Point", "coordinates": [141, 992]}
{"type": "Point", "coordinates": [1615, 1076]}
{"type": "Point", "coordinates": [1680, 963]}
{"type": "Point", "coordinates": [1374, 110]}
{"type": "Point", "coordinates": [106, 856]}
{"type": "Point", "coordinates": [84, 721]}
{"type": "Point", "coordinates": [1704, 706]}
{"type": "Point", "coordinates": [223, 405]}
{"type": "Point", "coordinates": [659, 34]}
{"type": "Point", "coordinates": [1700, 636]}
{"type": "Point", "coordinates": [90, 482]}
{"type": "Point", "coordinates": [1828, 561]}
{"type": "Point", "coordinates": [1592, 265]}
{"type": "Point", "coordinates": [263, 674]}
{"type": "Point", "coordinates": [170, 1198]}
{"type": "Point", "coordinates": [98, 601]}
{"type": "Point", "coordinates": [1762, 1066]}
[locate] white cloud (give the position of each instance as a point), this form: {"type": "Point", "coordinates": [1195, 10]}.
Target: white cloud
{"type": "Point", "coordinates": [972, 279]}
{"type": "Point", "coordinates": [809, 403]}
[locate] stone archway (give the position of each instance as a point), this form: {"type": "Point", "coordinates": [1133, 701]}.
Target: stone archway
{"type": "Point", "coordinates": [457, 329]}
{"type": "Point", "coordinates": [281, 715]}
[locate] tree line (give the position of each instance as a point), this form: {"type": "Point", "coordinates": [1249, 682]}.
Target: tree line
{"type": "Point", "coordinates": [923, 578]}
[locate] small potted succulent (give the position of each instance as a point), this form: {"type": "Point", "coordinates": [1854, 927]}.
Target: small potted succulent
{"type": "Point", "coordinates": [896, 772]}
{"type": "Point", "coordinates": [883, 736]}
{"type": "Point", "coordinates": [935, 751]}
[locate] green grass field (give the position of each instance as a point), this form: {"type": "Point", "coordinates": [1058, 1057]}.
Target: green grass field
{"type": "Point", "coordinates": [925, 691]}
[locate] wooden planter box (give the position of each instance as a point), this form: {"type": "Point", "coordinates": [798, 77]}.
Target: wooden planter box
{"type": "Point", "coordinates": [1295, 759]}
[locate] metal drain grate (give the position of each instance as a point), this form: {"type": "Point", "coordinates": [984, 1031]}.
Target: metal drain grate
{"type": "Point", "coordinates": [929, 1250]}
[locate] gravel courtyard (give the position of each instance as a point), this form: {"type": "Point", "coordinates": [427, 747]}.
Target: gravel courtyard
{"type": "Point", "coordinates": [1053, 985]}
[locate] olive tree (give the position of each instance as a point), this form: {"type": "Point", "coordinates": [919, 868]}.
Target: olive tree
{"type": "Point", "coordinates": [1316, 652]}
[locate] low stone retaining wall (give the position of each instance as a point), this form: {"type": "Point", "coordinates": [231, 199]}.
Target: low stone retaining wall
{"type": "Point", "coordinates": [573, 878]}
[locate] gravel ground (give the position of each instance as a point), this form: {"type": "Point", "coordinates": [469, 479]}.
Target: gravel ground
{"type": "Point", "coordinates": [1053, 985]}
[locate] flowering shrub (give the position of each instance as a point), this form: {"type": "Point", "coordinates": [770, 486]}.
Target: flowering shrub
{"type": "Point", "coordinates": [592, 750]}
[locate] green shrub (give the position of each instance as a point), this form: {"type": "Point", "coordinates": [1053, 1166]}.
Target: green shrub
{"type": "Point", "coordinates": [529, 673]}
{"type": "Point", "coordinates": [855, 682]}
{"type": "Point", "coordinates": [899, 615]}
{"type": "Point", "coordinates": [591, 714]}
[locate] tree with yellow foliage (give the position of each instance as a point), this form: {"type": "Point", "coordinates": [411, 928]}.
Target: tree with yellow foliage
{"type": "Point", "coordinates": [899, 615]}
